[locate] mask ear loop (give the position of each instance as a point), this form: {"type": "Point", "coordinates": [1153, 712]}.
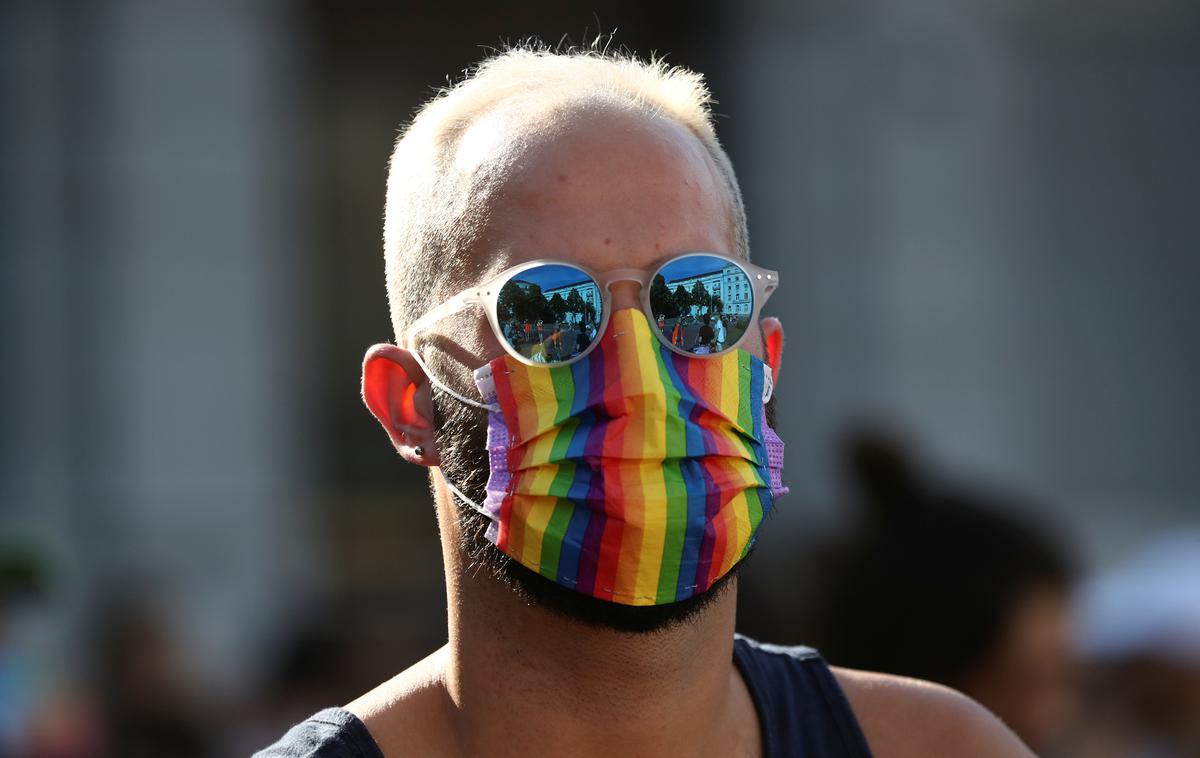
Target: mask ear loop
{"type": "Point", "coordinates": [466, 500]}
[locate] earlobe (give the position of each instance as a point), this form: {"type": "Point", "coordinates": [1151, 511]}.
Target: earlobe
{"type": "Point", "coordinates": [772, 331]}
{"type": "Point", "coordinates": [396, 391]}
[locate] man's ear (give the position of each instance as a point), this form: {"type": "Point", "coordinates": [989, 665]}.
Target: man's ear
{"type": "Point", "coordinates": [772, 332]}
{"type": "Point", "coordinates": [397, 392]}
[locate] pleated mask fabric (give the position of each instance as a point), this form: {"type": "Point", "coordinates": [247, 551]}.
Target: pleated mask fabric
{"type": "Point", "coordinates": [635, 475]}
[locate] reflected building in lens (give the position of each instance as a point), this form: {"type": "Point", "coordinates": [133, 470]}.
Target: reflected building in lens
{"type": "Point", "coordinates": [589, 293]}
{"type": "Point", "coordinates": [728, 283]}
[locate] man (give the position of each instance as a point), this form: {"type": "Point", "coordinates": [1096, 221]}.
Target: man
{"type": "Point", "coordinates": [556, 340]}
{"type": "Point", "coordinates": [609, 164]}
{"type": "Point", "coordinates": [705, 337]}
{"type": "Point", "coordinates": [581, 341]}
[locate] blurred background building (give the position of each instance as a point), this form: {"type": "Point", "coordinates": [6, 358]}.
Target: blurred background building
{"type": "Point", "coordinates": [984, 214]}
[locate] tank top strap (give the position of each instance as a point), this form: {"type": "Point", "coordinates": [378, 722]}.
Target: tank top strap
{"type": "Point", "coordinates": [801, 707]}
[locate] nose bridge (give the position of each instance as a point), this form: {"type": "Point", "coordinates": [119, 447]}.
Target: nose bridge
{"type": "Point", "coordinates": [623, 275]}
{"type": "Point", "coordinates": [628, 283]}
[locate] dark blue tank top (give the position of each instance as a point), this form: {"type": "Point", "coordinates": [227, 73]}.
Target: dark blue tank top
{"type": "Point", "coordinates": [801, 709]}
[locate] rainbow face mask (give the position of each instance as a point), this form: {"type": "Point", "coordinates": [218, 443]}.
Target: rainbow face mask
{"type": "Point", "coordinates": [635, 475]}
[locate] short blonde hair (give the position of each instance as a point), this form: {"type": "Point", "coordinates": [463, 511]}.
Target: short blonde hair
{"type": "Point", "coordinates": [434, 214]}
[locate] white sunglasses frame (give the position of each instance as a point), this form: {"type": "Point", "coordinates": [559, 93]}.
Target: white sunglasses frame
{"type": "Point", "coordinates": [487, 295]}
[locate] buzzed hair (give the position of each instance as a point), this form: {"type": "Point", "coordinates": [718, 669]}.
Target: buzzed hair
{"type": "Point", "coordinates": [435, 213]}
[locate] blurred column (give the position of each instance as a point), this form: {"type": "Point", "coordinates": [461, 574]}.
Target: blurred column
{"type": "Point", "coordinates": [161, 346]}
{"type": "Point", "coordinates": [36, 446]}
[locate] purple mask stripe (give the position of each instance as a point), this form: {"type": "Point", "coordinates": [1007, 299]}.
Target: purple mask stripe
{"type": "Point", "coordinates": [593, 448]}
{"type": "Point", "coordinates": [499, 477]}
{"type": "Point", "coordinates": [712, 506]}
{"type": "Point", "coordinates": [774, 462]}
{"type": "Point", "coordinates": [589, 556]}
{"type": "Point", "coordinates": [706, 434]}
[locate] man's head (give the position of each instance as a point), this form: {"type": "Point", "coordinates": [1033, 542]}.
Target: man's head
{"type": "Point", "coordinates": [601, 160]}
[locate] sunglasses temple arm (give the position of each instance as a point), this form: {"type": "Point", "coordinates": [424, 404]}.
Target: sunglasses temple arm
{"type": "Point", "coordinates": [446, 309]}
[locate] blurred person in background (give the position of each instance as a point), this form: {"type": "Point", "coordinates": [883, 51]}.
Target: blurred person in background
{"type": "Point", "coordinates": [1138, 630]}
{"type": "Point", "coordinates": [951, 585]}
{"type": "Point", "coordinates": [148, 696]}
{"type": "Point", "coordinates": [139, 698]}
{"type": "Point", "coordinates": [588, 571]}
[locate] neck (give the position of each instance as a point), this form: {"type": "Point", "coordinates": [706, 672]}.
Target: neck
{"type": "Point", "coordinates": [520, 675]}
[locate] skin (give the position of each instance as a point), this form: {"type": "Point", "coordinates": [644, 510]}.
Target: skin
{"type": "Point", "coordinates": [608, 189]}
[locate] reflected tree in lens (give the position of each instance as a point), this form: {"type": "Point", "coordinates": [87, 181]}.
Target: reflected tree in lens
{"type": "Point", "coordinates": [575, 305]}
{"type": "Point", "coordinates": [562, 313]}
{"type": "Point", "coordinates": [665, 304]}
{"type": "Point", "coordinates": [701, 298]}
{"type": "Point", "coordinates": [684, 300]}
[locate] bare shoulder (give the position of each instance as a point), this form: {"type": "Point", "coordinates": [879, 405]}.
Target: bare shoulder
{"type": "Point", "coordinates": [904, 717]}
{"type": "Point", "coordinates": [407, 713]}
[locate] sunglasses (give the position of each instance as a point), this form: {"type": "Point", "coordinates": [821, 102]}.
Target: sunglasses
{"type": "Point", "coordinates": [552, 312]}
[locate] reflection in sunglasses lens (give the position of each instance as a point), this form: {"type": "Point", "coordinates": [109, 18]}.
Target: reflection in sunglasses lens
{"type": "Point", "coordinates": [702, 304]}
{"type": "Point", "coordinates": [550, 313]}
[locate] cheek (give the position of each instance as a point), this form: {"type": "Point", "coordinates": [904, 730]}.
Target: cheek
{"type": "Point", "coordinates": [462, 344]}
{"type": "Point", "coordinates": [483, 341]}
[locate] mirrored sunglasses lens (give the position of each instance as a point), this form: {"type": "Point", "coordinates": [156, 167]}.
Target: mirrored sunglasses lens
{"type": "Point", "coordinates": [550, 313]}
{"type": "Point", "coordinates": [702, 304]}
